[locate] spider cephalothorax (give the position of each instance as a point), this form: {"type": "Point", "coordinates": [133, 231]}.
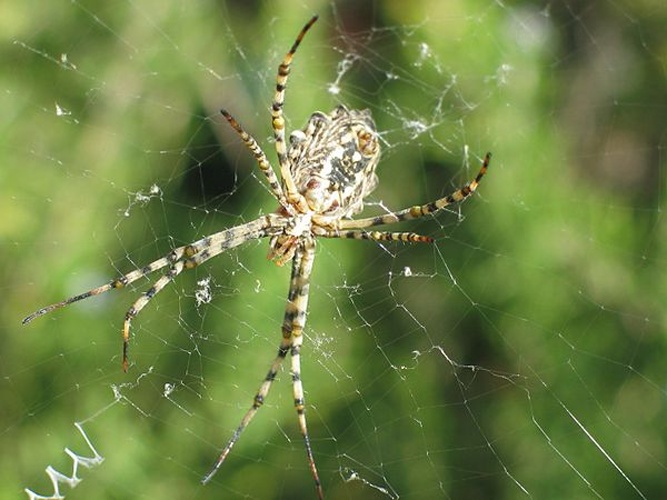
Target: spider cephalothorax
{"type": "Point", "coordinates": [326, 172]}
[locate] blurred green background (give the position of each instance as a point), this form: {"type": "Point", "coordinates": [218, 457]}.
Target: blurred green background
{"type": "Point", "coordinates": [521, 355]}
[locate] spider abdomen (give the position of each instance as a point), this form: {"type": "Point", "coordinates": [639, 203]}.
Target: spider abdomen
{"type": "Point", "coordinates": [333, 161]}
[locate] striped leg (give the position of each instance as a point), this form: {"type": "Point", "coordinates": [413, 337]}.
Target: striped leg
{"type": "Point", "coordinates": [292, 329]}
{"type": "Point", "coordinates": [360, 234]}
{"type": "Point", "coordinates": [257, 402]}
{"type": "Point", "coordinates": [192, 256]}
{"type": "Point", "coordinates": [419, 211]}
{"type": "Point", "coordinates": [260, 158]}
{"type": "Point", "coordinates": [265, 387]}
{"type": "Point", "coordinates": [179, 259]}
{"type": "Point", "coordinates": [277, 118]}
{"type": "Point", "coordinates": [120, 282]}
{"type": "Point", "coordinates": [294, 324]}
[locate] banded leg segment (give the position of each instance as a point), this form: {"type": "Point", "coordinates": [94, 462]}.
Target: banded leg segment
{"type": "Point", "coordinates": [360, 234]}
{"type": "Point", "coordinates": [192, 256]}
{"type": "Point", "coordinates": [260, 158]}
{"type": "Point", "coordinates": [293, 325]}
{"type": "Point", "coordinates": [119, 282]}
{"type": "Point", "coordinates": [277, 118]}
{"type": "Point", "coordinates": [292, 339]}
{"type": "Point", "coordinates": [257, 402]}
{"type": "Point", "coordinates": [265, 387]}
{"type": "Point", "coordinates": [141, 302]}
{"type": "Point", "coordinates": [179, 259]}
{"type": "Point", "coordinates": [419, 211]}
{"type": "Point", "coordinates": [221, 241]}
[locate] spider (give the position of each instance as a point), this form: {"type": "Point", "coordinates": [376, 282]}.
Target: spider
{"type": "Point", "coordinates": [326, 171]}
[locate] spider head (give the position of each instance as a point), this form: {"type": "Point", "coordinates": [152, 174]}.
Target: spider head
{"type": "Point", "coordinates": [333, 161]}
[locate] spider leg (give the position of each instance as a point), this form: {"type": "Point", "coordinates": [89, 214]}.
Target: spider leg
{"type": "Point", "coordinates": [257, 402]}
{"type": "Point", "coordinates": [141, 302]}
{"type": "Point", "coordinates": [206, 248]}
{"type": "Point", "coordinates": [419, 211]}
{"type": "Point", "coordinates": [224, 239]}
{"type": "Point", "coordinates": [260, 158]}
{"type": "Point", "coordinates": [119, 282]}
{"type": "Point", "coordinates": [192, 256]}
{"type": "Point", "coordinates": [360, 234]}
{"type": "Point", "coordinates": [277, 118]}
{"type": "Point", "coordinates": [294, 324]}
{"type": "Point", "coordinates": [185, 257]}
{"type": "Point", "coordinates": [292, 339]}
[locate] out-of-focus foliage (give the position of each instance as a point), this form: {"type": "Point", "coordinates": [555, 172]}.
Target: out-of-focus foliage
{"type": "Point", "coordinates": [469, 369]}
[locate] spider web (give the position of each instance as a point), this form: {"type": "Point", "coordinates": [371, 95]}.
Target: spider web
{"type": "Point", "coordinates": [520, 355]}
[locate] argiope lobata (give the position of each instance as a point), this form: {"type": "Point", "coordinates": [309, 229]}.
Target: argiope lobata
{"type": "Point", "coordinates": [326, 172]}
